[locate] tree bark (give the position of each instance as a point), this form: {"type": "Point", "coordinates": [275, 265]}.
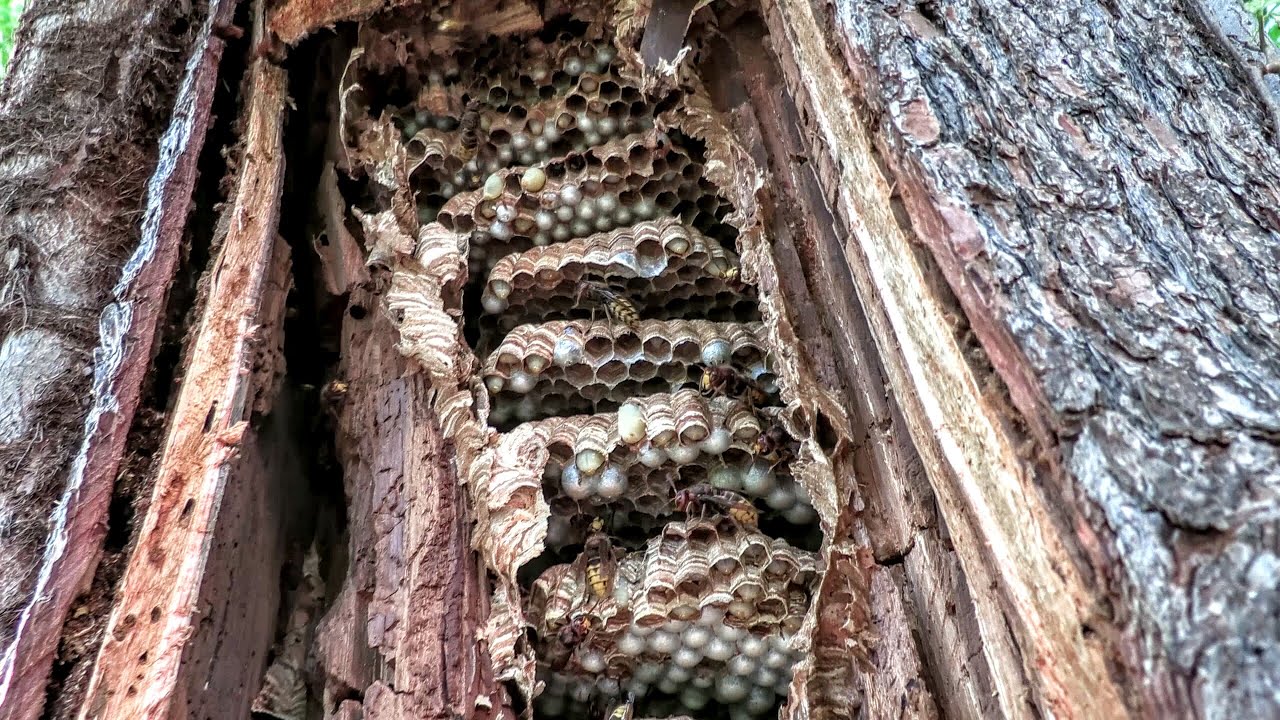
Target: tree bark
{"type": "Point", "coordinates": [1047, 231]}
{"type": "Point", "coordinates": [1097, 183]}
{"type": "Point", "coordinates": [89, 94]}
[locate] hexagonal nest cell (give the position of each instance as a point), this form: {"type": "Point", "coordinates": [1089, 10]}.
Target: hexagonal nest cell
{"type": "Point", "coordinates": [578, 247]}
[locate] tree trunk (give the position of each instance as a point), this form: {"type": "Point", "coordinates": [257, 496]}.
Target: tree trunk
{"type": "Point", "coordinates": [1011, 265]}
{"type": "Point", "coordinates": [90, 92]}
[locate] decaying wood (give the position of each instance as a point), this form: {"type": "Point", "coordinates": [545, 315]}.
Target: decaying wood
{"type": "Point", "coordinates": [414, 598]}
{"type": "Point", "coordinates": [180, 637]}
{"type": "Point", "coordinates": [1019, 575]}
{"type": "Point", "coordinates": [92, 82]}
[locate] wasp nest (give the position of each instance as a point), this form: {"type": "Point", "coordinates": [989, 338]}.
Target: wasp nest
{"type": "Point", "coordinates": [627, 465]}
{"type": "Point", "coordinates": [706, 612]}
{"type": "Point", "coordinates": [664, 267]}
{"type": "Point", "coordinates": [605, 295]}
{"type": "Point", "coordinates": [575, 366]}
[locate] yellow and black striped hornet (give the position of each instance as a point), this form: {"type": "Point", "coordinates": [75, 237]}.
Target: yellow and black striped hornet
{"type": "Point", "coordinates": [599, 560]}
{"type": "Point", "coordinates": [775, 445]}
{"type": "Point", "coordinates": [725, 380]}
{"type": "Point", "coordinates": [617, 307]}
{"type": "Point", "coordinates": [469, 126]}
{"type": "Point", "coordinates": [625, 711]}
{"type": "Point", "coordinates": [698, 498]}
{"type": "Point", "coordinates": [732, 276]}
{"type": "Point", "coordinates": [568, 638]}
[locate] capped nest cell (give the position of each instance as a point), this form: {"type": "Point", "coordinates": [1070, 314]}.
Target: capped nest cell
{"type": "Point", "coordinates": [705, 613]}
{"type": "Point", "coordinates": [559, 366]}
{"type": "Point", "coordinates": [587, 225]}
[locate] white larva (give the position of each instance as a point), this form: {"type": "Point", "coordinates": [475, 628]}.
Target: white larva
{"type": "Point", "coordinates": [570, 195]}
{"type": "Point", "coordinates": [683, 454]}
{"type": "Point", "coordinates": [725, 477]}
{"type": "Point", "coordinates": [501, 288]}
{"type": "Point", "coordinates": [730, 634]}
{"type": "Point", "coordinates": [776, 659]}
{"type": "Point", "coordinates": [533, 180]}
{"type": "Point", "coordinates": [711, 616]}
{"type": "Point", "coordinates": [766, 677]}
{"type": "Point", "coordinates": [630, 644]}
{"type": "Point", "coordinates": [609, 687]}
{"type": "Point", "coordinates": [637, 688]}
{"type": "Point", "coordinates": [493, 305]}
{"type": "Point", "coordinates": [741, 665]}
{"type": "Point", "coordinates": [568, 351]}
{"type": "Point", "coordinates": [631, 423]}
{"type": "Point", "coordinates": [500, 231]}
{"type": "Point", "coordinates": [648, 673]}
{"type": "Point", "coordinates": [677, 674]}
{"type": "Point", "coordinates": [780, 498]}
{"type": "Point", "coordinates": [492, 187]}
{"type": "Point", "coordinates": [652, 457]}
{"type": "Point", "coordinates": [752, 646]}
{"type": "Point", "coordinates": [693, 698]}
{"type": "Point", "coordinates": [589, 461]}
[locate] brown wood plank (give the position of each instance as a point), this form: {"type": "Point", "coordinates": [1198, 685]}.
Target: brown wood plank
{"type": "Point", "coordinates": [158, 613]}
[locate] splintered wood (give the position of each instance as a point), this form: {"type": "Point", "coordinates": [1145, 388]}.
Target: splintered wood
{"type": "Point", "coordinates": [211, 520]}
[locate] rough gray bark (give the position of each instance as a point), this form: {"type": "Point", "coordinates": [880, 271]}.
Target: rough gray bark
{"type": "Point", "coordinates": [1099, 182]}
{"type": "Point", "coordinates": [90, 91]}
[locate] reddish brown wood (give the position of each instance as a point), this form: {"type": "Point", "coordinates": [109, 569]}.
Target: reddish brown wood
{"type": "Point", "coordinates": [171, 606]}
{"type": "Point", "coordinates": [414, 597]}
